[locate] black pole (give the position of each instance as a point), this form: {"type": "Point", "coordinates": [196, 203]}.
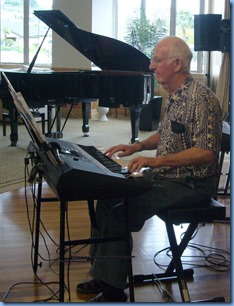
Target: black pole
{"type": "Point", "coordinates": [208, 73]}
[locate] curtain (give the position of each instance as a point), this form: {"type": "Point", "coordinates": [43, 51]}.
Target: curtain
{"type": "Point", "coordinates": [223, 84]}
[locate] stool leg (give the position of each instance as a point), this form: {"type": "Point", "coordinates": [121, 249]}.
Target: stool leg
{"type": "Point", "coordinates": [220, 166]}
{"type": "Point", "coordinates": [177, 262]}
{"type": "Point", "coordinates": [182, 246]}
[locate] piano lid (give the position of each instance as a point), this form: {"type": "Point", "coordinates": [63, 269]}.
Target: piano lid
{"type": "Point", "coordinates": [105, 52]}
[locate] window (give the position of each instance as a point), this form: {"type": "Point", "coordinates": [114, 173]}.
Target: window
{"type": "Point", "coordinates": [22, 32]}
{"type": "Point", "coordinates": [173, 17]}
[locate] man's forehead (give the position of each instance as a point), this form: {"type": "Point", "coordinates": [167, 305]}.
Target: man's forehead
{"type": "Point", "coordinates": [160, 51]}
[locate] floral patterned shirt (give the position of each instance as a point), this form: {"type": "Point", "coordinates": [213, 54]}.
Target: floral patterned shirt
{"type": "Point", "coordinates": [192, 119]}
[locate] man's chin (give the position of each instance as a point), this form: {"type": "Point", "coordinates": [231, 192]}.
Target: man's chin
{"type": "Point", "coordinates": [160, 82]}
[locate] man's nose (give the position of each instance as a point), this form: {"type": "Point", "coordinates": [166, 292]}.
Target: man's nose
{"type": "Point", "coordinates": [152, 66]}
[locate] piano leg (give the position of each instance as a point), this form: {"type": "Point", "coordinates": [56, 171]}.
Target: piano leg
{"type": "Point", "coordinates": [135, 119]}
{"type": "Point", "coordinates": [13, 113]}
{"type": "Point", "coordinates": [51, 119]}
{"type": "Point", "coordinates": [58, 122]}
{"type": "Point", "coordinates": [86, 106]}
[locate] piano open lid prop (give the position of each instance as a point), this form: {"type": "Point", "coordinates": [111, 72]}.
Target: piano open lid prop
{"type": "Point", "coordinates": [125, 80]}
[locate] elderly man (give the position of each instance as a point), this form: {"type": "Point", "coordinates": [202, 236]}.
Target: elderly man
{"type": "Point", "coordinates": [183, 172]}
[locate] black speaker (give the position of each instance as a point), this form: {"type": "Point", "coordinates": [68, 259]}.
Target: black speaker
{"type": "Point", "coordinates": [206, 32]}
{"type": "Point", "coordinates": [225, 35]}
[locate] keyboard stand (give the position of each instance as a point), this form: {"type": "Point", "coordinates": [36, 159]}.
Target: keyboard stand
{"type": "Point", "coordinates": [63, 243]}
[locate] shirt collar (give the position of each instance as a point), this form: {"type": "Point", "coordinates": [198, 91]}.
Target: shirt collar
{"type": "Point", "coordinates": [181, 89]}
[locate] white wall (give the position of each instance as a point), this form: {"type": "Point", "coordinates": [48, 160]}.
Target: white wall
{"type": "Point", "coordinates": [63, 54]}
{"type": "Point", "coordinates": [103, 17]}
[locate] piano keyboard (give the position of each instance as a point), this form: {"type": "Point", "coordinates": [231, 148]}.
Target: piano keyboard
{"type": "Point", "coordinates": [102, 158]}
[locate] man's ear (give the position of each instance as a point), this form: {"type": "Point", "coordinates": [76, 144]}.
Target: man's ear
{"type": "Point", "coordinates": [178, 64]}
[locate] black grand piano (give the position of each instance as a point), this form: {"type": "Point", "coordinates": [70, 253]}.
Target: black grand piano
{"type": "Point", "coordinates": [124, 78]}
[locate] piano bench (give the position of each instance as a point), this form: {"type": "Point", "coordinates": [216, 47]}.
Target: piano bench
{"type": "Point", "coordinates": [193, 216]}
{"type": "Point", "coordinates": [36, 114]}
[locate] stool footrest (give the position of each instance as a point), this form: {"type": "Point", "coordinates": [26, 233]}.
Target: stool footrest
{"type": "Point", "coordinates": [188, 273]}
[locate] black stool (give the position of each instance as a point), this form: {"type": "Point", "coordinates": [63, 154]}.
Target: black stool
{"type": "Point", "coordinates": [193, 216]}
{"type": "Point", "coordinates": [36, 114]}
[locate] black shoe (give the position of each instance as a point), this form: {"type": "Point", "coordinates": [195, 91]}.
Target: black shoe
{"type": "Point", "coordinates": [92, 286]}
{"type": "Point", "coordinates": [101, 298]}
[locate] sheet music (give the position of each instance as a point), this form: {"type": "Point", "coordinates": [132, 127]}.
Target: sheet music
{"type": "Point", "coordinates": [29, 120]}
